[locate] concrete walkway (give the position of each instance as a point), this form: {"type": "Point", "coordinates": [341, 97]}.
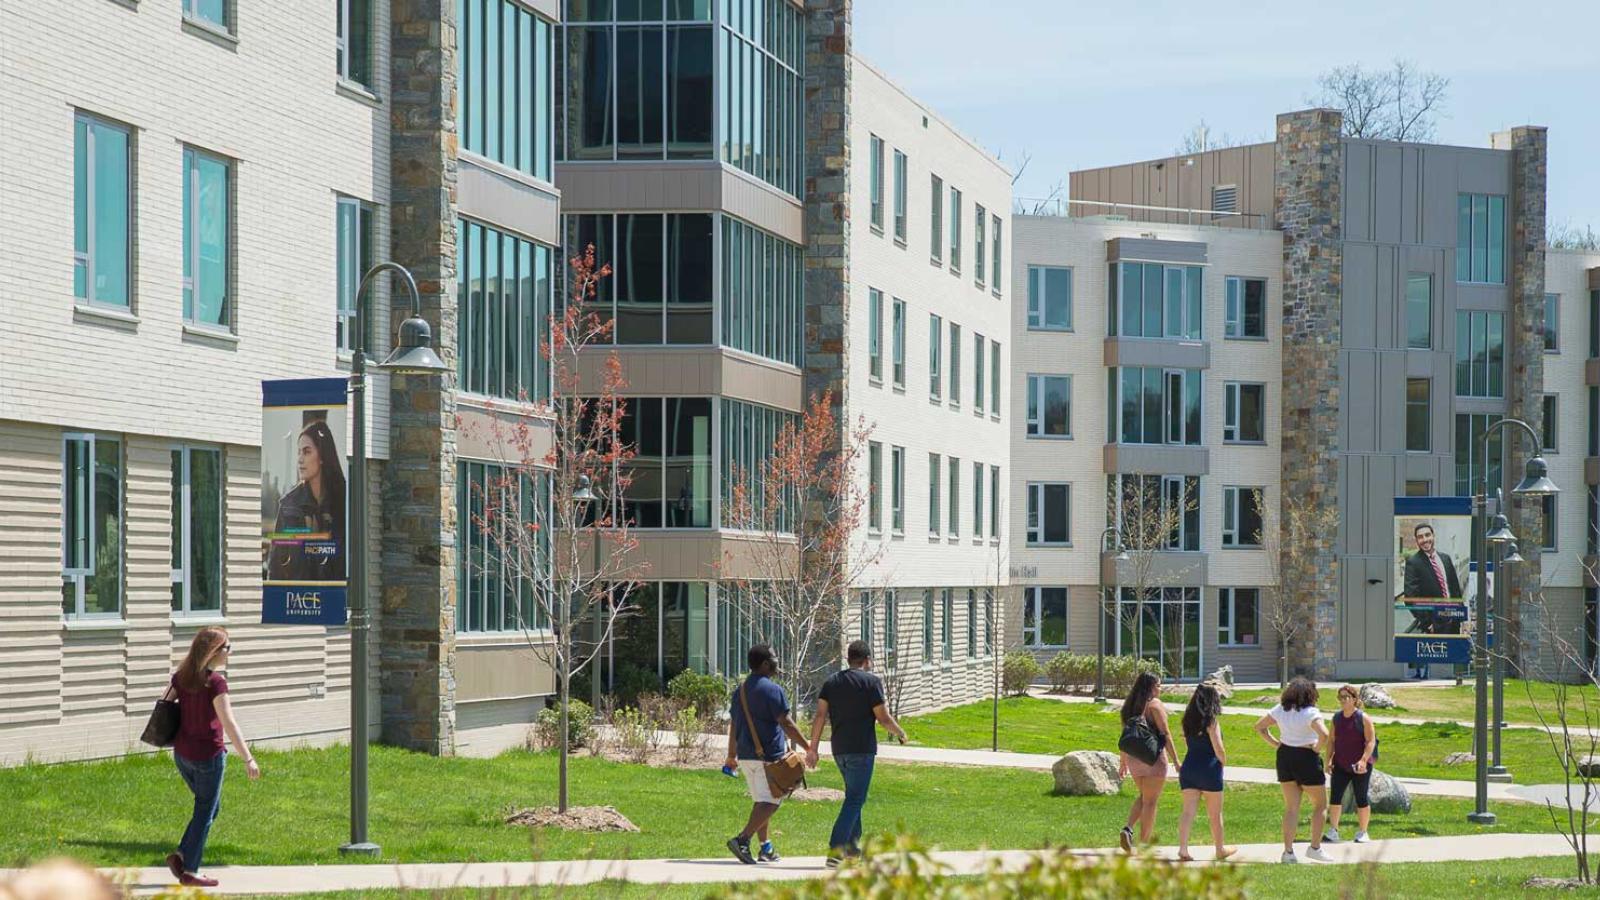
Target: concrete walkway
{"type": "Point", "coordinates": [309, 879]}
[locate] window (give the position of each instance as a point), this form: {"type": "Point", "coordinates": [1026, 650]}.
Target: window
{"type": "Point", "coordinates": [1050, 406]}
{"type": "Point", "coordinates": [988, 621]}
{"type": "Point", "coordinates": [994, 503]}
{"type": "Point", "coordinates": [1049, 518]}
{"type": "Point", "coordinates": [197, 530]}
{"type": "Point", "coordinates": [1246, 311]}
{"type": "Point", "coordinates": [998, 244]}
{"type": "Point", "coordinates": [91, 532]}
{"type": "Point", "coordinates": [1551, 326]}
{"type": "Point", "coordinates": [763, 309]}
{"type": "Point", "coordinates": [504, 67]}
{"type": "Point", "coordinates": [1225, 198]}
{"type": "Point", "coordinates": [978, 356]}
{"type": "Point", "coordinates": [1050, 298]}
{"type": "Point", "coordinates": [1419, 488]}
{"type": "Point", "coordinates": [1241, 516]}
{"type": "Point", "coordinates": [210, 12]}
{"type": "Point", "coordinates": [1594, 421]}
{"type": "Point", "coordinates": [875, 180]}
{"type": "Point", "coordinates": [1044, 617]}
{"type": "Point", "coordinates": [101, 226]}
{"type": "Point", "coordinates": [899, 196]}
{"type": "Point", "coordinates": [935, 348]}
{"type": "Point", "coordinates": [955, 231]}
{"type": "Point", "coordinates": [936, 220]}
{"type": "Point", "coordinates": [1244, 418]}
{"type": "Point", "coordinates": [355, 258]}
{"type": "Point", "coordinates": [1162, 625]}
{"type": "Point", "coordinates": [1238, 617]}
{"type": "Point", "coordinates": [995, 373]}
{"type": "Point", "coordinates": [955, 365]}
{"type": "Point", "coordinates": [874, 486]}
{"type": "Point", "coordinates": [1547, 425]}
{"type": "Point", "coordinates": [977, 500]}
{"type": "Point", "coordinates": [207, 239]}
{"type": "Point", "coordinates": [1419, 414]}
{"type": "Point", "coordinates": [927, 627]}
{"type": "Point", "coordinates": [891, 630]}
{"type": "Point", "coordinates": [979, 219]}
{"type": "Point", "coordinates": [1419, 311]}
{"type": "Point", "coordinates": [1548, 526]}
{"type": "Point", "coordinates": [1480, 354]}
{"type": "Point", "coordinates": [503, 290]}
{"type": "Point", "coordinates": [353, 41]}
{"type": "Point", "coordinates": [1470, 428]}
{"type": "Point", "coordinates": [898, 343]}
{"type": "Point", "coordinates": [864, 614]}
{"type": "Point", "coordinates": [1148, 405]}
{"type": "Point", "coordinates": [748, 437]}
{"type": "Point", "coordinates": [1155, 301]}
{"type": "Point", "coordinates": [1155, 512]}
{"type": "Point", "coordinates": [1480, 238]}
{"type": "Point", "coordinates": [492, 594]}
{"type": "Point", "coordinates": [972, 623]}
{"type": "Point", "coordinates": [954, 503]}
{"type": "Point", "coordinates": [897, 489]}
{"type": "Point", "coordinates": [759, 99]}
{"type": "Point", "coordinates": [670, 471]}
{"type": "Point", "coordinates": [875, 334]}
{"type": "Point", "coordinates": [947, 616]}
{"type": "Point", "coordinates": [933, 494]}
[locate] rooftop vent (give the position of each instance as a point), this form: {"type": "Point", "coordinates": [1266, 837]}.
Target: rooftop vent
{"type": "Point", "coordinates": [1225, 198]}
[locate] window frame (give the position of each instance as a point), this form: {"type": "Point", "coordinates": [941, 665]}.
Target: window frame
{"type": "Point", "coordinates": [935, 484]}
{"type": "Point", "coordinates": [995, 380]}
{"type": "Point", "coordinates": [345, 292]}
{"type": "Point", "coordinates": [874, 487]}
{"type": "Point", "coordinates": [1551, 333]}
{"type": "Point", "coordinates": [1032, 634]}
{"type": "Point", "coordinates": [1550, 513]}
{"type": "Point", "coordinates": [927, 627]}
{"type": "Point", "coordinates": [344, 38]}
{"type": "Point", "coordinates": [875, 182]}
{"type": "Point", "coordinates": [953, 491]}
{"type": "Point", "coordinates": [1036, 416]}
{"type": "Point", "coordinates": [1037, 495]}
{"type": "Point", "coordinates": [980, 346]}
{"type": "Point", "coordinates": [1039, 300]}
{"type": "Point", "coordinates": [980, 218]}
{"type": "Point", "coordinates": [1425, 279]}
{"type": "Point", "coordinates": [996, 274]}
{"type": "Point", "coordinates": [935, 357]}
{"type": "Point", "coordinates": [1233, 507]}
{"type": "Point", "coordinates": [191, 14]}
{"type": "Point", "coordinates": [1233, 426]}
{"type": "Point", "coordinates": [972, 623]}
{"type": "Point", "coordinates": [955, 230]}
{"type": "Point", "coordinates": [182, 578]}
{"type": "Point", "coordinates": [88, 257]}
{"type": "Point", "coordinates": [1228, 601]}
{"type": "Point", "coordinates": [936, 220]}
{"type": "Point", "coordinates": [897, 341]}
{"type": "Point", "coordinates": [994, 504]}
{"type": "Point", "coordinates": [875, 335]}
{"type": "Point", "coordinates": [897, 490]}
{"type": "Point", "coordinates": [1481, 245]}
{"type": "Point", "coordinates": [78, 575]}
{"type": "Point", "coordinates": [947, 614]}
{"type": "Point", "coordinates": [1235, 315]}
{"type": "Point", "coordinates": [1550, 423]}
{"type": "Point", "coordinates": [977, 501]}
{"type": "Point", "coordinates": [1427, 413]}
{"type": "Point", "coordinates": [901, 176]}
{"type": "Point", "coordinates": [1188, 307]}
{"type": "Point", "coordinates": [1493, 361]}
{"type": "Point", "coordinates": [953, 391]}
{"type": "Point", "coordinates": [192, 156]}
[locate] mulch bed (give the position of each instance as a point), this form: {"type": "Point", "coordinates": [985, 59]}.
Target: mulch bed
{"type": "Point", "coordinates": [576, 818]}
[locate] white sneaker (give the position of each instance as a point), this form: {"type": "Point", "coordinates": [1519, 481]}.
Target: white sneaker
{"type": "Point", "coordinates": [1361, 837]}
{"type": "Point", "coordinates": [1289, 857]}
{"type": "Point", "coordinates": [1331, 835]}
{"type": "Point", "coordinates": [1317, 854]}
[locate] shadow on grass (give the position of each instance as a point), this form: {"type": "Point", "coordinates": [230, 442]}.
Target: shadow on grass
{"type": "Point", "coordinates": [157, 850]}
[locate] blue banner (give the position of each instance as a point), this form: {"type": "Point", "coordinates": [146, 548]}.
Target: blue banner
{"type": "Point", "coordinates": [303, 506]}
{"type": "Point", "coordinates": [1433, 579]}
{"type": "Point", "coordinates": [312, 604]}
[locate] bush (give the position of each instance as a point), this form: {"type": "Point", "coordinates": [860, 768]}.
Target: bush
{"type": "Point", "coordinates": [1018, 672]}
{"type": "Point", "coordinates": [707, 694]}
{"type": "Point", "coordinates": [633, 734]}
{"type": "Point", "coordinates": [633, 681]}
{"type": "Point", "coordinates": [1122, 670]}
{"type": "Point", "coordinates": [689, 729]}
{"type": "Point", "coordinates": [580, 726]}
{"type": "Point", "coordinates": [1071, 673]}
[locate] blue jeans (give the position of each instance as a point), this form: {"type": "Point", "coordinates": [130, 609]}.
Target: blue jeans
{"type": "Point", "coordinates": [857, 771]}
{"type": "Point", "coordinates": [205, 782]}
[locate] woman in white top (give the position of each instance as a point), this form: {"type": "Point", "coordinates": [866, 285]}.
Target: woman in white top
{"type": "Point", "coordinates": [1300, 742]}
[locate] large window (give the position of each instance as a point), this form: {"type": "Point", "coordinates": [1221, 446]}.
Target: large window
{"type": "Point", "coordinates": [1239, 617]}
{"type": "Point", "coordinates": [1049, 514]}
{"type": "Point", "coordinates": [355, 240]}
{"type": "Point", "coordinates": [874, 486]}
{"type": "Point", "coordinates": [979, 355]}
{"type": "Point", "coordinates": [1551, 326]}
{"type": "Point", "coordinates": [1241, 516]}
{"type": "Point", "coordinates": [875, 180]}
{"type": "Point", "coordinates": [897, 489]}
{"type": "Point", "coordinates": [207, 239]}
{"type": "Point", "coordinates": [936, 217]}
{"type": "Point", "coordinates": [980, 219]}
{"type": "Point", "coordinates": [209, 12]}
{"type": "Point", "coordinates": [934, 478]}
{"type": "Point", "coordinates": [663, 628]}
{"type": "Point", "coordinates": [749, 438]}
{"type": "Point", "coordinates": [1155, 512]}
{"type": "Point", "coordinates": [1419, 414]}
{"type": "Point", "coordinates": [1470, 428]}
{"type": "Point", "coordinates": [504, 70]}
{"type": "Point", "coordinates": [744, 619]}
{"type": "Point", "coordinates": [1244, 416]}
{"type": "Point", "coordinates": [1044, 617]}
{"type": "Point", "coordinates": [955, 230]}
{"type": "Point", "coordinates": [670, 472]}
{"type": "Point", "coordinates": [875, 334]}
{"type": "Point", "coordinates": [762, 289]}
{"type": "Point", "coordinates": [661, 288]}
{"type": "Point", "coordinates": [899, 196]}
{"type": "Point", "coordinates": [954, 393]}
{"type": "Point", "coordinates": [1548, 426]}
{"type": "Point", "coordinates": [1419, 311]}
{"type": "Point", "coordinates": [91, 526]}
{"type": "Point", "coordinates": [1155, 301]}
{"type": "Point", "coordinates": [1050, 406]}
{"type": "Point", "coordinates": [935, 352]}
{"type": "Point", "coordinates": [503, 286]}
{"type": "Point", "coordinates": [760, 101]}
{"type": "Point", "coordinates": [1245, 314]}
{"type": "Point", "coordinates": [197, 530]}
{"type": "Point", "coordinates": [1163, 626]}
{"type": "Point", "coordinates": [953, 466]}
{"type": "Point", "coordinates": [1481, 238]}
{"type": "Point", "coordinates": [101, 212]}
{"type": "Point", "coordinates": [1147, 405]}
{"type": "Point", "coordinates": [353, 41]}
{"type": "Point", "coordinates": [1050, 298]}
{"type": "Point", "coordinates": [1480, 354]}
{"type": "Point", "coordinates": [897, 342]}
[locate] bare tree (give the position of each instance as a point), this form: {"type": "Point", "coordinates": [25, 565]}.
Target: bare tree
{"type": "Point", "coordinates": [1567, 236]}
{"type": "Point", "coordinates": [897, 643]}
{"type": "Point", "coordinates": [1150, 517]}
{"type": "Point", "coordinates": [1200, 138]}
{"type": "Point", "coordinates": [1299, 522]}
{"type": "Point", "coordinates": [1402, 103]}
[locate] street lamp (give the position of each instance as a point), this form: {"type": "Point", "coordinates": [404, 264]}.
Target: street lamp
{"type": "Point", "coordinates": [1535, 483]}
{"type": "Point", "coordinates": [412, 355]}
{"type": "Point", "coordinates": [1100, 620]}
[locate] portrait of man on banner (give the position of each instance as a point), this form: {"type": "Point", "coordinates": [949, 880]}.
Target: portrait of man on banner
{"type": "Point", "coordinates": [1433, 578]}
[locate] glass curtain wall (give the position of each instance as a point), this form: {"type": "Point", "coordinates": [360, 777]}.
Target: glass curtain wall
{"type": "Point", "coordinates": [503, 286]}
{"type": "Point", "coordinates": [749, 437]}
{"type": "Point", "coordinates": [498, 573]}
{"type": "Point", "coordinates": [504, 69]}
{"type": "Point", "coordinates": [1164, 628]}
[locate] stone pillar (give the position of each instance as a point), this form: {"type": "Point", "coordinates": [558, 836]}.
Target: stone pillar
{"type": "Point", "coordinates": [1307, 181]}
{"type": "Point", "coordinates": [1529, 641]}
{"type": "Point", "coordinates": [419, 533]}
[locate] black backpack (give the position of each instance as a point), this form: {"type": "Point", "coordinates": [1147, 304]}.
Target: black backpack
{"type": "Point", "coordinates": [1140, 740]}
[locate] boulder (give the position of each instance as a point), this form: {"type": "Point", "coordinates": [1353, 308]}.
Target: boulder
{"type": "Point", "coordinates": [1087, 773]}
{"type": "Point", "coordinates": [1589, 767]}
{"type": "Point", "coordinates": [1222, 680]}
{"type": "Point", "coordinates": [1386, 794]}
{"type": "Point", "coordinates": [1373, 696]}
{"type": "Point", "coordinates": [1460, 758]}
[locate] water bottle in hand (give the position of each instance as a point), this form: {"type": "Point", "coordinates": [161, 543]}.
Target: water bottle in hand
{"type": "Point", "coordinates": [728, 771]}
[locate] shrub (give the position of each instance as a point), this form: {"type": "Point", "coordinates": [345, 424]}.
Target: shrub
{"type": "Point", "coordinates": [633, 734]}
{"type": "Point", "coordinates": [688, 728]}
{"type": "Point", "coordinates": [1018, 672]}
{"type": "Point", "coordinates": [1122, 670]}
{"type": "Point", "coordinates": [1070, 673]}
{"type": "Point", "coordinates": [707, 694]}
{"type": "Point", "coordinates": [632, 681]}
{"type": "Point", "coordinates": [580, 726]}
{"type": "Point", "coordinates": [660, 712]}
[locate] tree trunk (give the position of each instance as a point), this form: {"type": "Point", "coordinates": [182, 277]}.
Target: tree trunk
{"type": "Point", "coordinates": [1283, 665]}
{"type": "Point", "coordinates": [566, 697]}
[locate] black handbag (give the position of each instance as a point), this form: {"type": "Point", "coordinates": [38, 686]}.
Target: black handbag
{"type": "Point", "coordinates": [162, 729]}
{"type": "Point", "coordinates": [1140, 741]}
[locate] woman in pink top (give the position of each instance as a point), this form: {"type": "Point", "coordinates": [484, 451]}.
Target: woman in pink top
{"type": "Point", "coordinates": [1144, 699]}
{"type": "Point", "coordinates": [204, 715]}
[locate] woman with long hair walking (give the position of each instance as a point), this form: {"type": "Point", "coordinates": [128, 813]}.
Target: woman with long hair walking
{"type": "Point", "coordinates": [1201, 772]}
{"type": "Point", "coordinates": [1355, 745]}
{"type": "Point", "coordinates": [1144, 699]}
{"type": "Point", "coordinates": [204, 715]}
{"type": "Point", "coordinates": [1300, 742]}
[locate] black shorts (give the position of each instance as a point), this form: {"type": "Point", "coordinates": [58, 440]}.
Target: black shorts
{"type": "Point", "coordinates": [1344, 779]}
{"type": "Point", "coordinates": [1299, 765]}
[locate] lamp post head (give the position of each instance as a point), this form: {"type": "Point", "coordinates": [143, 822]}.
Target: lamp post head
{"type": "Point", "coordinates": [1122, 553]}
{"type": "Point", "coordinates": [584, 494]}
{"type": "Point", "coordinates": [1535, 480]}
{"type": "Point", "coordinates": [1500, 531]}
{"type": "Point", "coordinates": [1511, 555]}
{"type": "Point", "coordinates": [413, 354]}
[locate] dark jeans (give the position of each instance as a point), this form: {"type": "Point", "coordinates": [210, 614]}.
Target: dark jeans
{"type": "Point", "coordinates": [857, 771]}
{"type": "Point", "coordinates": [205, 782]}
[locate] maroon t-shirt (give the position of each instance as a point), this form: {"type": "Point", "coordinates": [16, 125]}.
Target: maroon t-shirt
{"type": "Point", "coordinates": [199, 728]}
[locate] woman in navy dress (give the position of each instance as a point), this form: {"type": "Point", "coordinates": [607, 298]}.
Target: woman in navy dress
{"type": "Point", "coordinates": [1201, 772]}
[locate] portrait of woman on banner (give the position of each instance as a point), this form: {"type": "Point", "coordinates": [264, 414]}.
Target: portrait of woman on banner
{"type": "Point", "coordinates": [312, 512]}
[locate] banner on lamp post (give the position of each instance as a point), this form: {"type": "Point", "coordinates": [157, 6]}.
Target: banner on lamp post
{"type": "Point", "coordinates": [1435, 580]}
{"type": "Point", "coordinates": [303, 511]}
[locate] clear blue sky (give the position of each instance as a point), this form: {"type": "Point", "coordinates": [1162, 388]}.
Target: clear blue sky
{"type": "Point", "coordinates": [1081, 84]}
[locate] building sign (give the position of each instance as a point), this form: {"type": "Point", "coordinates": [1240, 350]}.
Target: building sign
{"type": "Point", "coordinates": [1434, 579]}
{"type": "Point", "coordinates": [303, 502]}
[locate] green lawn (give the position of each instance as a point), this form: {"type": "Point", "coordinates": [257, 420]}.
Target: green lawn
{"type": "Point", "coordinates": [1449, 704]}
{"type": "Point", "coordinates": [131, 811]}
{"type": "Point", "coordinates": [1034, 725]}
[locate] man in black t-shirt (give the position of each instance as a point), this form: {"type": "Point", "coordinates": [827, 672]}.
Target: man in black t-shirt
{"type": "Point", "coordinates": [852, 702]}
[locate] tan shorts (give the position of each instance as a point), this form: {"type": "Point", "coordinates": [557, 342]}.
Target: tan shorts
{"type": "Point", "coordinates": [755, 778]}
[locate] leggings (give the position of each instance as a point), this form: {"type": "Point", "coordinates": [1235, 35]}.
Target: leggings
{"type": "Point", "coordinates": [1344, 778]}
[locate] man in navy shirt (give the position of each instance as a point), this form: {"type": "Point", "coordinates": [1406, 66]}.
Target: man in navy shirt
{"type": "Point", "coordinates": [852, 701]}
{"type": "Point", "coordinates": [769, 711]}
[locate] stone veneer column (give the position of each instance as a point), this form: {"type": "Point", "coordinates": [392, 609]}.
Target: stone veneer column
{"type": "Point", "coordinates": [419, 543]}
{"type": "Point", "coordinates": [1307, 181]}
{"type": "Point", "coordinates": [1529, 642]}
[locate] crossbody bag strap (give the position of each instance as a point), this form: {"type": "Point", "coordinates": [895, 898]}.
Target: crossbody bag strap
{"type": "Point", "coordinates": [750, 722]}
